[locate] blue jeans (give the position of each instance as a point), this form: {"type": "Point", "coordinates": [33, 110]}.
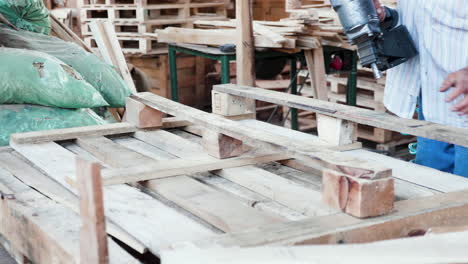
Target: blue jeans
{"type": "Point", "coordinates": [440, 155]}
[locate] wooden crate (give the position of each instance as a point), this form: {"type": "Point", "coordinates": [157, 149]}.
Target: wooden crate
{"type": "Point", "coordinates": [191, 73]}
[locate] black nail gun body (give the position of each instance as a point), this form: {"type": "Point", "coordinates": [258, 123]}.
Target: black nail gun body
{"type": "Point", "coordinates": [381, 45]}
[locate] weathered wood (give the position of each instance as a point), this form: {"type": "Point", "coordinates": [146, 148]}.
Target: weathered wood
{"type": "Point", "coordinates": [126, 206]}
{"type": "Point", "coordinates": [110, 50]}
{"type": "Point", "coordinates": [332, 159]}
{"type": "Point", "coordinates": [197, 198]}
{"type": "Point", "coordinates": [93, 236]}
{"type": "Point", "coordinates": [409, 216]}
{"type": "Point", "coordinates": [55, 191]}
{"type": "Point", "coordinates": [177, 167]}
{"type": "Point", "coordinates": [41, 229]}
{"type": "Point", "coordinates": [229, 105]}
{"type": "Point", "coordinates": [446, 248]}
{"type": "Point", "coordinates": [141, 115]}
{"type": "Point", "coordinates": [336, 131]}
{"type": "Point", "coordinates": [221, 146]}
{"type": "Point", "coordinates": [358, 197]}
{"type": "Point", "coordinates": [72, 133]}
{"type": "Point", "coordinates": [419, 128]}
{"type": "Point", "coordinates": [291, 194]}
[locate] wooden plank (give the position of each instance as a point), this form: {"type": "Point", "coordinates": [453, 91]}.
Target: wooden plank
{"type": "Point", "coordinates": [332, 159]}
{"type": "Point", "coordinates": [245, 47]}
{"type": "Point", "coordinates": [300, 198]}
{"type": "Point", "coordinates": [447, 248]}
{"type": "Point", "coordinates": [41, 229]}
{"type": "Point", "coordinates": [419, 128]}
{"type": "Point", "coordinates": [55, 191]}
{"type": "Point", "coordinates": [110, 50]}
{"type": "Point", "coordinates": [208, 37]}
{"type": "Point", "coordinates": [177, 167]}
{"type": "Point", "coordinates": [126, 206]}
{"type": "Point", "coordinates": [93, 236]}
{"type": "Point", "coordinates": [212, 206]}
{"type": "Point", "coordinates": [409, 216]}
{"type": "Point", "coordinates": [411, 180]}
{"type": "Point", "coordinates": [72, 133]}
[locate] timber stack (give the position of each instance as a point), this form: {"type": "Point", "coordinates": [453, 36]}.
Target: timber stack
{"type": "Point", "coordinates": [132, 19]}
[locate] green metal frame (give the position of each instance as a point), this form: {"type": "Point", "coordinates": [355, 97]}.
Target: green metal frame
{"type": "Point", "coordinates": [225, 69]}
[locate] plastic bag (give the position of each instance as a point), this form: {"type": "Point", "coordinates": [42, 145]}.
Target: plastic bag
{"type": "Point", "coordinates": [29, 15]}
{"type": "Point", "coordinates": [26, 118]}
{"type": "Point", "coordinates": [98, 73]}
{"type": "Point", "coordinates": [32, 77]}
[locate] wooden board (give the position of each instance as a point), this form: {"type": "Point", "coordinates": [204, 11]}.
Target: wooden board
{"type": "Point", "coordinates": [425, 129]}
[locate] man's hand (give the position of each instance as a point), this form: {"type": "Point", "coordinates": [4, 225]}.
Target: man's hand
{"type": "Point", "coordinates": [459, 80]}
{"type": "Point", "coordinates": [380, 10]}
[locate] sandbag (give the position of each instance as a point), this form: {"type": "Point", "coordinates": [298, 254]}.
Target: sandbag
{"type": "Point", "coordinates": [26, 118]}
{"type": "Point", "coordinates": [99, 74]}
{"type": "Point", "coordinates": [29, 15]}
{"type": "Point", "coordinates": [32, 77]}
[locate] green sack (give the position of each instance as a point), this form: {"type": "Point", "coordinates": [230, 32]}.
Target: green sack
{"type": "Point", "coordinates": [29, 15]}
{"type": "Point", "coordinates": [95, 71]}
{"type": "Point", "coordinates": [32, 77]}
{"type": "Point", "coordinates": [26, 118]}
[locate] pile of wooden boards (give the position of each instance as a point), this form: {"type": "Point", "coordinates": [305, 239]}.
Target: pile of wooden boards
{"type": "Point", "coordinates": [134, 18]}
{"type": "Point", "coordinates": [179, 196]}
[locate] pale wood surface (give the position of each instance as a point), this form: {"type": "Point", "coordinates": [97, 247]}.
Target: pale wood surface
{"type": "Point", "coordinates": [446, 248]}
{"type": "Point", "coordinates": [420, 128]}
{"type": "Point", "coordinates": [93, 236]}
{"type": "Point", "coordinates": [409, 216]}
{"type": "Point", "coordinates": [335, 160]}
{"type": "Point", "coordinates": [131, 209]}
{"type": "Point", "coordinates": [72, 133]}
{"type": "Point", "coordinates": [245, 47]}
{"type": "Point", "coordinates": [214, 207]}
{"type": "Point", "coordinates": [32, 219]}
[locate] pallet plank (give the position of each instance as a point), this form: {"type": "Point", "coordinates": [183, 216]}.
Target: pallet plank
{"type": "Point", "coordinates": [332, 159]}
{"type": "Point", "coordinates": [32, 219]}
{"type": "Point", "coordinates": [420, 128]}
{"type": "Point", "coordinates": [131, 209]}
{"type": "Point", "coordinates": [302, 199]}
{"type": "Point", "coordinates": [216, 208]}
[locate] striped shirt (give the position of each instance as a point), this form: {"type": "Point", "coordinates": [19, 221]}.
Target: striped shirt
{"type": "Point", "coordinates": [439, 29]}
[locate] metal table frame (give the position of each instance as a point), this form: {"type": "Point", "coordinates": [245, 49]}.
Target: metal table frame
{"type": "Point", "coordinates": [226, 57]}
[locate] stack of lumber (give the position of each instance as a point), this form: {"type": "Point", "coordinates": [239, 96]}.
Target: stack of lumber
{"type": "Point", "coordinates": [133, 18]}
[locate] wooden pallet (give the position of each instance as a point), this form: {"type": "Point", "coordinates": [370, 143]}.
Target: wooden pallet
{"type": "Point", "coordinates": [191, 197]}
{"type": "Point", "coordinates": [133, 19]}
{"type": "Point", "coordinates": [134, 45]}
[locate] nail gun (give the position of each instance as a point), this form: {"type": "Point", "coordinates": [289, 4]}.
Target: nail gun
{"type": "Point", "coordinates": [381, 45]}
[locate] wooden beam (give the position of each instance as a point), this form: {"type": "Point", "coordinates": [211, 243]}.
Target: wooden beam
{"type": "Point", "coordinates": [358, 197]}
{"type": "Point", "coordinates": [409, 216]}
{"type": "Point", "coordinates": [458, 136]}
{"type": "Point", "coordinates": [337, 132]}
{"type": "Point", "coordinates": [221, 146]}
{"type": "Point", "coordinates": [177, 167]}
{"type": "Point", "coordinates": [109, 47]}
{"type": "Point", "coordinates": [142, 116]}
{"type": "Point", "coordinates": [72, 133]}
{"type": "Point", "coordinates": [245, 47]}
{"type": "Point", "coordinates": [307, 152]}
{"type": "Point", "coordinates": [93, 236]}
{"type": "Point", "coordinates": [446, 248]}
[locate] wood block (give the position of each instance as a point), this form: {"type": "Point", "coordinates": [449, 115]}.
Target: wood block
{"type": "Point", "coordinates": [221, 146]}
{"type": "Point", "coordinates": [357, 197]}
{"type": "Point", "coordinates": [141, 115]}
{"type": "Point", "coordinates": [335, 131]}
{"type": "Point", "coordinates": [231, 105]}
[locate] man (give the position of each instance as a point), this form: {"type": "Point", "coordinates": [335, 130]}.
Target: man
{"type": "Point", "coordinates": [437, 79]}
